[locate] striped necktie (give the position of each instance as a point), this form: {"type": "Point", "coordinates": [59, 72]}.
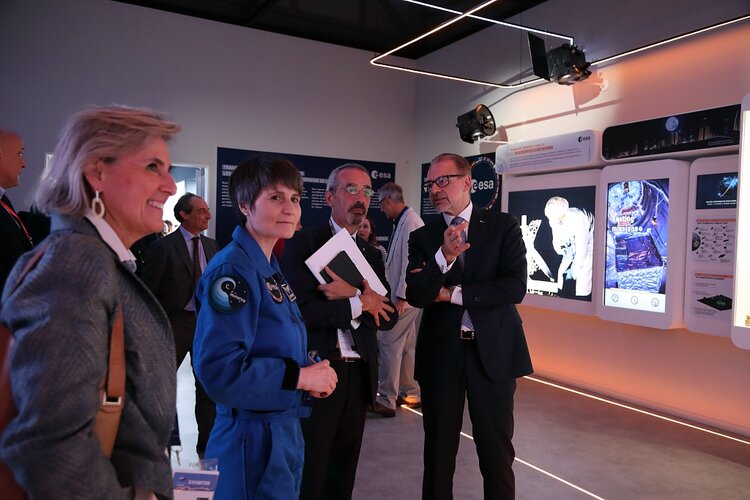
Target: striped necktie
{"type": "Point", "coordinates": [466, 323]}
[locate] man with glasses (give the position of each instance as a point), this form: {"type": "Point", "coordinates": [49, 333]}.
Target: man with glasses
{"type": "Point", "coordinates": [341, 326]}
{"type": "Point", "coordinates": [467, 269]}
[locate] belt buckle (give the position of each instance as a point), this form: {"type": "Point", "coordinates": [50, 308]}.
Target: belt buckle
{"type": "Point", "coordinates": [467, 335]}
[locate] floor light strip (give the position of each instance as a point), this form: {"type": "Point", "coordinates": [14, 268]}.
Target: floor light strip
{"type": "Point", "coordinates": [638, 410]}
{"type": "Point", "coordinates": [527, 464]}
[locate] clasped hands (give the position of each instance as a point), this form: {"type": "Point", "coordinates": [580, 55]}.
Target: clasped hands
{"type": "Point", "coordinates": [319, 379]}
{"type": "Point", "coordinates": [372, 301]}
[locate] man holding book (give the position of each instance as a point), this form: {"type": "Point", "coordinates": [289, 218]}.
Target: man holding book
{"type": "Point", "coordinates": [342, 321]}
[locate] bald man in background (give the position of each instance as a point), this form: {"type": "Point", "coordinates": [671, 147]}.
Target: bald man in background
{"type": "Point", "coordinates": [14, 238]}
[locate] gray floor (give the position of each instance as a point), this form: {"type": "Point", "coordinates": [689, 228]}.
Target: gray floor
{"type": "Point", "coordinates": [607, 451]}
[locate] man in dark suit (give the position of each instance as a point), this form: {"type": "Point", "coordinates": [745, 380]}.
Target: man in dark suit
{"type": "Point", "coordinates": [467, 269]}
{"type": "Point", "coordinates": [13, 234]}
{"type": "Point", "coordinates": [171, 271]}
{"type": "Point", "coordinates": [338, 315]}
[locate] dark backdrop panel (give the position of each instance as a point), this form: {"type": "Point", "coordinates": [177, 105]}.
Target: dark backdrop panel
{"type": "Point", "coordinates": [315, 171]}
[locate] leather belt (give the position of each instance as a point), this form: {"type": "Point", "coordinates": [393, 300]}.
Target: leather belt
{"type": "Point", "coordinates": [466, 335]}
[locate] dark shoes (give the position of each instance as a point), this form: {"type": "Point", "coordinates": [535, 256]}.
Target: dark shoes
{"type": "Point", "coordinates": [383, 411]}
{"type": "Point", "coordinates": [400, 401]}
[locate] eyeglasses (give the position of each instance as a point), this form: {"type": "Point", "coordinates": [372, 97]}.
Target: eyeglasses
{"type": "Point", "coordinates": [354, 189]}
{"type": "Point", "coordinates": [441, 182]}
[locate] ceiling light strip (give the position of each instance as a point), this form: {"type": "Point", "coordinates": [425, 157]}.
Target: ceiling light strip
{"type": "Point", "coordinates": [434, 30]}
{"type": "Point", "coordinates": [569, 39]}
{"type": "Point", "coordinates": [527, 464]}
{"type": "Point", "coordinates": [670, 40]}
{"type": "Point", "coordinates": [375, 61]}
{"type": "Point", "coordinates": [446, 76]}
{"type": "Point", "coordinates": [638, 410]}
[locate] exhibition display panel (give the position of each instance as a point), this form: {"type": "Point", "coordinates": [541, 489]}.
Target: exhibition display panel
{"type": "Point", "coordinates": [741, 316]}
{"type": "Point", "coordinates": [642, 248]}
{"type": "Point", "coordinates": [557, 213]}
{"type": "Point", "coordinates": [710, 243]}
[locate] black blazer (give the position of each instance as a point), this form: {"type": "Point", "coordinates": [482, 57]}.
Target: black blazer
{"type": "Point", "coordinates": [13, 243]}
{"type": "Point", "coordinates": [168, 270]}
{"type": "Point", "coordinates": [323, 317]}
{"type": "Point", "coordinates": [493, 281]}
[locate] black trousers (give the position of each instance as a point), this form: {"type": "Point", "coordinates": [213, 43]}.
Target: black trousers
{"type": "Point", "coordinates": [333, 435]}
{"type": "Point", "coordinates": [491, 412]}
{"type": "Point", "coordinates": [183, 327]}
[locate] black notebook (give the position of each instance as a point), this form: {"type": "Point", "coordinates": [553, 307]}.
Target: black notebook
{"type": "Point", "coordinates": [343, 266]}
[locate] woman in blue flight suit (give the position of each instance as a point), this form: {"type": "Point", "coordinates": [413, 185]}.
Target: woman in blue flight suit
{"type": "Point", "coordinates": [251, 344]}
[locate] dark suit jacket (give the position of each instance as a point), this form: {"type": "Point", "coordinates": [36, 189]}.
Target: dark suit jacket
{"type": "Point", "coordinates": [323, 317]}
{"type": "Point", "coordinates": [12, 244]}
{"type": "Point", "coordinates": [493, 281]}
{"type": "Point", "coordinates": [168, 271]}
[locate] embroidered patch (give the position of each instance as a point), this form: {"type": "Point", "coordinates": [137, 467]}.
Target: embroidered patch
{"type": "Point", "coordinates": [274, 289]}
{"type": "Point", "coordinates": [287, 289]}
{"type": "Point", "coordinates": [228, 293]}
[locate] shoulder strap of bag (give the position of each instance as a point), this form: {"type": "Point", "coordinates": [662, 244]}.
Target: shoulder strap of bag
{"type": "Point", "coordinates": [113, 389]}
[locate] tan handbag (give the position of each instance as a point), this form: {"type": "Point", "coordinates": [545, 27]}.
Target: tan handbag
{"type": "Point", "coordinates": [112, 390]}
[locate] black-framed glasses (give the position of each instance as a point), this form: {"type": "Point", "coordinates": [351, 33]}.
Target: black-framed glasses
{"type": "Point", "coordinates": [353, 189]}
{"type": "Point", "coordinates": [441, 181]}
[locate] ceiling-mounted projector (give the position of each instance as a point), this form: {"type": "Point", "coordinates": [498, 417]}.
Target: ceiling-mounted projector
{"type": "Point", "coordinates": [566, 64]}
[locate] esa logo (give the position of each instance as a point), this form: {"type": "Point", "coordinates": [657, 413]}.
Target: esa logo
{"type": "Point", "coordinates": [582, 138]}
{"type": "Point", "coordinates": [380, 175]}
{"type": "Point", "coordinates": [481, 185]}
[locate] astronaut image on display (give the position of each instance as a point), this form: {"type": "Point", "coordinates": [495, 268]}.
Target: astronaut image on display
{"type": "Point", "coordinates": [637, 213]}
{"type": "Point", "coordinates": [559, 239]}
{"type": "Point", "coordinates": [573, 239]}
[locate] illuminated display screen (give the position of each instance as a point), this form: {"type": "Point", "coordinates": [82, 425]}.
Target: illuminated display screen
{"type": "Point", "coordinates": [636, 255]}
{"type": "Point", "coordinates": [716, 191]}
{"type": "Point", "coordinates": [558, 230]}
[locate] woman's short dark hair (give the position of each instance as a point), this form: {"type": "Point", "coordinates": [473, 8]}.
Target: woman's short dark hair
{"type": "Point", "coordinates": [257, 173]}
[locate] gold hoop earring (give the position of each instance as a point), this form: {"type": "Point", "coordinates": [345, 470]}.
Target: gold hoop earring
{"type": "Point", "coordinates": [97, 205]}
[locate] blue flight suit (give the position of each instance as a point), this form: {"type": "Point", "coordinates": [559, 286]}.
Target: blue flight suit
{"type": "Point", "coordinates": [250, 342]}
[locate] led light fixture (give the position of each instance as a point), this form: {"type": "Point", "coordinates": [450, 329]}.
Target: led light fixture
{"type": "Point", "coordinates": [476, 124]}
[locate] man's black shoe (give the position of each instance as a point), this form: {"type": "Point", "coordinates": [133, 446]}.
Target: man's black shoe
{"type": "Point", "coordinates": [383, 410]}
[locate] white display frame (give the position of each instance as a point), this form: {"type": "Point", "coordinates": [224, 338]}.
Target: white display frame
{"type": "Point", "coordinates": [677, 172]}
{"type": "Point", "coordinates": [740, 323]}
{"type": "Point", "coordinates": [512, 183]}
{"type": "Point", "coordinates": [709, 268]}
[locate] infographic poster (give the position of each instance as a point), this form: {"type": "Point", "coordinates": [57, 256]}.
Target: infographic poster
{"type": "Point", "coordinates": [315, 171]}
{"type": "Point", "coordinates": [636, 244]}
{"type": "Point", "coordinates": [557, 225]}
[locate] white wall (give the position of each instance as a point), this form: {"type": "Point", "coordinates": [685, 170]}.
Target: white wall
{"type": "Point", "coordinates": [228, 86]}
{"type": "Point", "coordinates": [701, 377]}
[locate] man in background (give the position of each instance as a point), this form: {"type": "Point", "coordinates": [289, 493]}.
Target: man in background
{"type": "Point", "coordinates": [14, 236]}
{"type": "Point", "coordinates": [172, 268]}
{"type": "Point", "coordinates": [397, 386]}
